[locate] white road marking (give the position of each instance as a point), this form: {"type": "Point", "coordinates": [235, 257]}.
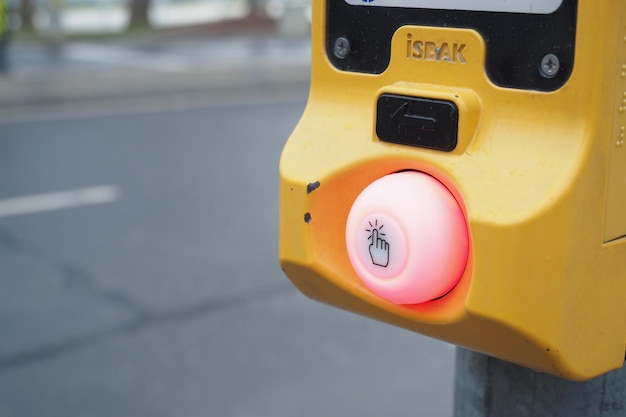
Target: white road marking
{"type": "Point", "coordinates": [60, 200]}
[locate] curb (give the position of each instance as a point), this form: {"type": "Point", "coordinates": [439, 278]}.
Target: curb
{"type": "Point", "coordinates": [63, 87]}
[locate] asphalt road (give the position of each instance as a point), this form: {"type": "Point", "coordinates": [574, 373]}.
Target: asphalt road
{"type": "Point", "coordinates": [148, 284]}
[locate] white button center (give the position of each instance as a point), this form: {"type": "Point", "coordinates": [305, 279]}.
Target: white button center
{"type": "Point", "coordinates": [382, 246]}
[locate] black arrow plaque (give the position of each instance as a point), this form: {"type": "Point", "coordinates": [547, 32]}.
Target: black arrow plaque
{"type": "Point", "coordinates": [421, 122]}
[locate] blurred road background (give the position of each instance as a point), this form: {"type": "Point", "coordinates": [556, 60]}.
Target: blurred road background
{"type": "Point", "coordinates": [138, 223]}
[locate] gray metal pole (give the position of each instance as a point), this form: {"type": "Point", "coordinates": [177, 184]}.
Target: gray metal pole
{"type": "Point", "coordinates": [488, 387]}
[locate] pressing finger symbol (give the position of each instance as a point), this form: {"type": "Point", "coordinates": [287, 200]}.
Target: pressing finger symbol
{"type": "Point", "coordinates": [379, 247]}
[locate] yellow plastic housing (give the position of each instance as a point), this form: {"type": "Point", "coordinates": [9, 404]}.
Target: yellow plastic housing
{"type": "Point", "coordinates": [541, 178]}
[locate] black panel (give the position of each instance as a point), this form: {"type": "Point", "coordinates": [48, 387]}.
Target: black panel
{"type": "Point", "coordinates": [419, 122]}
{"type": "Point", "coordinates": [516, 42]}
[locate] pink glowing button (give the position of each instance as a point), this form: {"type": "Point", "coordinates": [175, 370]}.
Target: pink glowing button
{"type": "Point", "coordinates": [407, 238]}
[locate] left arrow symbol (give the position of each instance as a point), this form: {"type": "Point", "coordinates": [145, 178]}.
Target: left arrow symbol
{"type": "Point", "coordinates": [404, 120]}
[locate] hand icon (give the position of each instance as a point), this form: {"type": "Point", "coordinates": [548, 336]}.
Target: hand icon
{"type": "Point", "coordinates": [379, 249]}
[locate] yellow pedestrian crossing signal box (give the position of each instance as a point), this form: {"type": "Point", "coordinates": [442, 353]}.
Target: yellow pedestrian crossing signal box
{"type": "Point", "coordinates": [460, 171]}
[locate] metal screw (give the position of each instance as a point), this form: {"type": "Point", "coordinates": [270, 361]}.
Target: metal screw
{"type": "Point", "coordinates": [550, 66]}
{"type": "Point", "coordinates": [342, 47]}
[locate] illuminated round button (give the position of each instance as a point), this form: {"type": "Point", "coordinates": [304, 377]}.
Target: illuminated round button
{"type": "Point", "coordinates": [407, 238]}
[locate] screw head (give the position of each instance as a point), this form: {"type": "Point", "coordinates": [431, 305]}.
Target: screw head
{"type": "Point", "coordinates": [342, 47]}
{"type": "Point", "coordinates": [549, 66]}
